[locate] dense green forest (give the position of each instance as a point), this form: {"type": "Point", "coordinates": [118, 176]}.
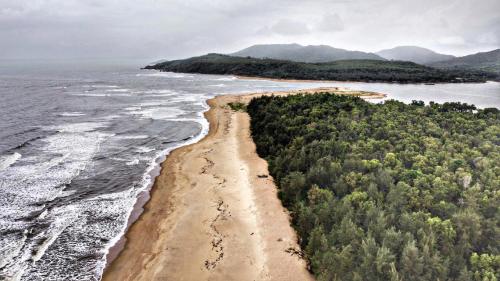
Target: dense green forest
{"type": "Point", "coordinates": [387, 191]}
{"type": "Point", "coordinates": [343, 70]}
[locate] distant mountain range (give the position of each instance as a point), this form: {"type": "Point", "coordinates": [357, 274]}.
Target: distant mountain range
{"type": "Point", "coordinates": [415, 54]}
{"type": "Point", "coordinates": [485, 61]}
{"type": "Point", "coordinates": [299, 53]}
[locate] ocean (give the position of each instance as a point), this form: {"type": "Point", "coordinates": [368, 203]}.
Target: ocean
{"type": "Point", "coordinates": [80, 142]}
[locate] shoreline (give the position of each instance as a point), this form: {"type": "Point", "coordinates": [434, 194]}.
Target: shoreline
{"type": "Point", "coordinates": [208, 206]}
{"type": "Point", "coordinates": [144, 195]}
{"type": "Point", "coordinates": [242, 77]}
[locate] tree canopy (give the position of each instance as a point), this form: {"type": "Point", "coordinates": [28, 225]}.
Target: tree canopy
{"type": "Point", "coordinates": [342, 70]}
{"type": "Point", "coordinates": [388, 191]}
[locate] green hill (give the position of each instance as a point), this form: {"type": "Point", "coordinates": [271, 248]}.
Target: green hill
{"type": "Point", "coordinates": [296, 52]}
{"type": "Point", "coordinates": [486, 61]}
{"type": "Point", "coordinates": [344, 70]}
{"type": "Point", "coordinates": [414, 54]}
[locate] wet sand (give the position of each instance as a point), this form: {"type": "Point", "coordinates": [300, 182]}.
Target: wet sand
{"type": "Point", "coordinates": [214, 213]}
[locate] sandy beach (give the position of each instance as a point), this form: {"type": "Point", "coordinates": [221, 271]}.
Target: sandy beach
{"type": "Point", "coordinates": [289, 80]}
{"type": "Point", "coordinates": [214, 213]}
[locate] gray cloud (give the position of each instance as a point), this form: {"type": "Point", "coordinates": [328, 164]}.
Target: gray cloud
{"type": "Point", "coordinates": [153, 29]}
{"type": "Point", "coordinates": [330, 23]}
{"type": "Point", "coordinates": [290, 27]}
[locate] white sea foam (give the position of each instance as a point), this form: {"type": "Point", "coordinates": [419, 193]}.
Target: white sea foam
{"type": "Point", "coordinates": [25, 185]}
{"type": "Point", "coordinates": [184, 98]}
{"type": "Point", "coordinates": [218, 85]}
{"type": "Point", "coordinates": [58, 225]}
{"type": "Point", "coordinates": [111, 117]}
{"type": "Point", "coordinates": [232, 78]}
{"type": "Point", "coordinates": [100, 86]}
{"type": "Point", "coordinates": [71, 114]}
{"type": "Point", "coordinates": [118, 90]}
{"type": "Point", "coordinates": [163, 113]}
{"type": "Point", "coordinates": [133, 162]}
{"type": "Point", "coordinates": [132, 137]}
{"type": "Point", "coordinates": [165, 75]}
{"type": "Point", "coordinates": [78, 222]}
{"type": "Point", "coordinates": [102, 95]}
{"type": "Point", "coordinates": [77, 127]}
{"type": "Point", "coordinates": [158, 95]}
{"type": "Point", "coordinates": [139, 158]}
{"type": "Point", "coordinates": [144, 149]}
{"type": "Point", "coordinates": [156, 92]}
{"type": "Point", "coordinates": [7, 160]}
{"type": "Point", "coordinates": [132, 108]}
{"type": "Point", "coordinates": [11, 245]}
{"type": "Point", "coordinates": [153, 103]}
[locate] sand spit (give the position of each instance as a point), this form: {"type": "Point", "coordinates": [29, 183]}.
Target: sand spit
{"type": "Point", "coordinates": [214, 213]}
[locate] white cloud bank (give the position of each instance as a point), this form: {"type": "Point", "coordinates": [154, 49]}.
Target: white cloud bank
{"type": "Point", "coordinates": [178, 28]}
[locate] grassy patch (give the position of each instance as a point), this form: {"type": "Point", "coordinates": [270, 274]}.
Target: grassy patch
{"type": "Point", "coordinates": [237, 106]}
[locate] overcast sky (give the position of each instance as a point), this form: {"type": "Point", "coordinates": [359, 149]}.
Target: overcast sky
{"type": "Point", "coordinates": [155, 29]}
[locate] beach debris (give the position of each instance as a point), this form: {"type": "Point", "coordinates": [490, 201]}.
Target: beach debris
{"type": "Point", "coordinates": [209, 165]}
{"type": "Point", "coordinates": [262, 176]}
{"type": "Point", "coordinates": [217, 241]}
{"type": "Point", "coordinates": [295, 252]}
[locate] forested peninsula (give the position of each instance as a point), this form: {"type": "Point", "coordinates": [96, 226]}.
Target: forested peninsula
{"type": "Point", "coordinates": [342, 70]}
{"type": "Point", "coordinates": [388, 191]}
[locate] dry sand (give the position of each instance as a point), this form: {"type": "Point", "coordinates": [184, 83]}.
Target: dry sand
{"type": "Point", "coordinates": [295, 80]}
{"type": "Point", "coordinates": [210, 216]}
